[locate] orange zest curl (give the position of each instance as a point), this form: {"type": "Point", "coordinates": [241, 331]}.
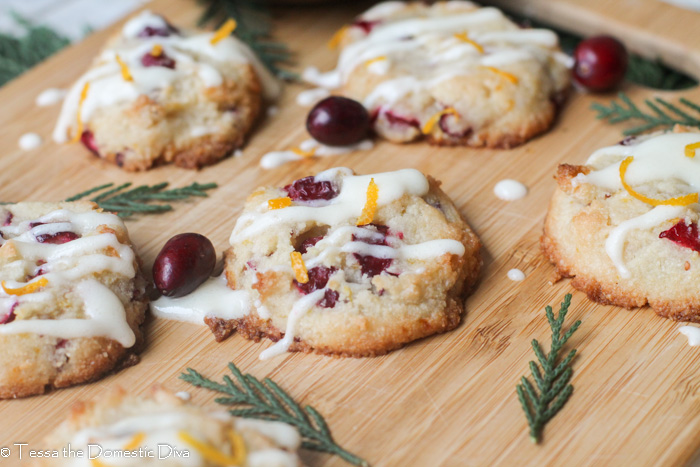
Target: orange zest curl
{"type": "Point", "coordinates": [432, 121]}
{"type": "Point", "coordinates": [509, 76]}
{"type": "Point", "coordinates": [208, 452]}
{"type": "Point", "coordinates": [302, 275]}
{"type": "Point", "coordinates": [135, 441]}
{"type": "Point", "coordinates": [304, 154]}
{"type": "Point", "coordinates": [678, 201]}
{"type": "Point", "coordinates": [462, 36]}
{"type": "Point", "coordinates": [79, 130]}
{"type": "Point", "coordinates": [27, 289]}
{"type": "Point", "coordinates": [126, 73]}
{"type": "Point", "coordinates": [690, 149]}
{"type": "Point", "coordinates": [157, 50]}
{"type": "Point", "coordinates": [337, 37]}
{"type": "Point", "coordinates": [370, 208]}
{"type": "Point", "coordinates": [279, 203]}
{"type": "Point", "coordinates": [375, 60]}
{"type": "Point", "coordinates": [224, 31]}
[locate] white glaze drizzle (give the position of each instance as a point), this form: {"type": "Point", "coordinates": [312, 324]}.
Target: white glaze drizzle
{"type": "Point", "coordinates": [274, 159]}
{"type": "Point", "coordinates": [75, 262]}
{"type": "Point", "coordinates": [211, 299]}
{"type": "Point", "coordinates": [29, 141]}
{"type": "Point", "coordinates": [194, 55]}
{"type": "Point", "coordinates": [656, 158]}
{"type": "Point", "coordinates": [310, 97]}
{"type": "Point", "coordinates": [428, 42]}
{"type": "Point", "coordinates": [50, 97]}
{"type": "Point", "coordinates": [509, 190]}
{"type": "Point", "coordinates": [692, 333]}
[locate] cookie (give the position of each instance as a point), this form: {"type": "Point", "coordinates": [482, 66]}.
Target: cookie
{"type": "Point", "coordinates": [624, 225]}
{"type": "Point", "coordinates": [349, 265]}
{"type": "Point", "coordinates": [157, 94]}
{"type": "Point", "coordinates": [161, 429]}
{"type": "Point", "coordinates": [451, 72]}
{"type": "Point", "coordinates": [72, 298]}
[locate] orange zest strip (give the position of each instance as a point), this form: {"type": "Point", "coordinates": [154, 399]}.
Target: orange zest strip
{"type": "Point", "coordinates": [370, 208]}
{"type": "Point", "coordinates": [690, 149]}
{"type": "Point", "coordinates": [126, 73]}
{"type": "Point", "coordinates": [207, 451]}
{"type": "Point", "coordinates": [375, 60]}
{"type": "Point", "coordinates": [302, 275]}
{"type": "Point", "coordinates": [27, 289]}
{"type": "Point", "coordinates": [224, 31]}
{"type": "Point", "coordinates": [509, 76]}
{"type": "Point", "coordinates": [462, 36]}
{"type": "Point", "coordinates": [157, 50]}
{"type": "Point", "coordinates": [432, 121]}
{"type": "Point", "coordinates": [135, 441]}
{"type": "Point", "coordinates": [302, 153]}
{"type": "Point", "coordinates": [337, 38]}
{"type": "Point", "coordinates": [79, 130]}
{"type": "Point", "coordinates": [678, 201]}
{"type": "Point", "coordinates": [238, 446]}
{"type": "Point", "coordinates": [279, 203]}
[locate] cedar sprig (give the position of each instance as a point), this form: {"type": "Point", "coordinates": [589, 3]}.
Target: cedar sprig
{"type": "Point", "coordinates": [18, 54]}
{"type": "Point", "coordinates": [254, 28]}
{"type": "Point", "coordinates": [126, 203]}
{"type": "Point", "coordinates": [661, 114]}
{"type": "Point", "coordinates": [265, 400]}
{"type": "Point", "coordinates": [541, 404]}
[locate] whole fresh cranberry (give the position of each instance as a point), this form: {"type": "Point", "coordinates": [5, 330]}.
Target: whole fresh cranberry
{"type": "Point", "coordinates": [338, 121]}
{"type": "Point", "coordinates": [600, 63]}
{"type": "Point", "coordinates": [184, 263]}
{"type": "Point", "coordinates": [308, 189]}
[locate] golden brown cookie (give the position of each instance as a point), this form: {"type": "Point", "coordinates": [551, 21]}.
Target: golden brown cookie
{"type": "Point", "coordinates": [72, 298]}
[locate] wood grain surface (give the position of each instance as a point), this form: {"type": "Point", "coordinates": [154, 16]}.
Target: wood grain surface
{"type": "Point", "coordinates": [445, 400]}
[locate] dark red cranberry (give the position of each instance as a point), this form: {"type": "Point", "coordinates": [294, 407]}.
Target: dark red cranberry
{"type": "Point", "coordinates": [88, 140]}
{"type": "Point", "coordinates": [308, 189]}
{"type": "Point", "coordinates": [151, 31]}
{"type": "Point", "coordinates": [308, 243]}
{"type": "Point", "coordinates": [184, 263]}
{"type": "Point", "coordinates": [58, 238]}
{"type": "Point", "coordinates": [8, 219]}
{"type": "Point", "coordinates": [395, 119]}
{"type": "Point", "coordinates": [61, 343]}
{"type": "Point", "coordinates": [372, 266]}
{"type": "Point", "coordinates": [366, 25]}
{"type": "Point", "coordinates": [628, 141]}
{"type": "Point", "coordinates": [318, 278]}
{"type": "Point", "coordinates": [162, 60]}
{"type": "Point", "coordinates": [373, 240]}
{"type": "Point", "coordinates": [9, 317]}
{"type": "Point", "coordinates": [338, 121]}
{"type": "Point", "coordinates": [330, 298]}
{"type": "Point", "coordinates": [119, 159]}
{"type": "Point", "coordinates": [682, 234]}
{"type": "Point", "coordinates": [600, 63]}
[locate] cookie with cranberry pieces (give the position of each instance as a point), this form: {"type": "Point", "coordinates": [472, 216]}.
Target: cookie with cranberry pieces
{"type": "Point", "coordinates": [72, 298]}
{"type": "Point", "coordinates": [158, 94]}
{"type": "Point", "coordinates": [161, 422]}
{"type": "Point", "coordinates": [624, 226]}
{"type": "Point", "coordinates": [451, 72]}
{"type": "Point", "coordinates": [350, 265]}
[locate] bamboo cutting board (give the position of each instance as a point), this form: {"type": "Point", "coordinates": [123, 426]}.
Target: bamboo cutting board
{"type": "Point", "coordinates": [444, 400]}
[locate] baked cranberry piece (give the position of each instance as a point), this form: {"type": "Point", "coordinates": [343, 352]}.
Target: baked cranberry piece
{"type": "Point", "coordinates": [10, 317]}
{"type": "Point", "coordinates": [152, 31]}
{"type": "Point", "coordinates": [318, 278]}
{"type": "Point", "coordinates": [371, 265]}
{"type": "Point", "coordinates": [308, 243]}
{"type": "Point", "coordinates": [682, 234]}
{"type": "Point", "coordinates": [395, 119]}
{"type": "Point", "coordinates": [161, 60]}
{"type": "Point", "coordinates": [366, 25]}
{"type": "Point", "coordinates": [308, 189]}
{"type": "Point", "coordinates": [88, 140]}
{"type": "Point", "coordinates": [8, 219]}
{"type": "Point", "coordinates": [58, 238]}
